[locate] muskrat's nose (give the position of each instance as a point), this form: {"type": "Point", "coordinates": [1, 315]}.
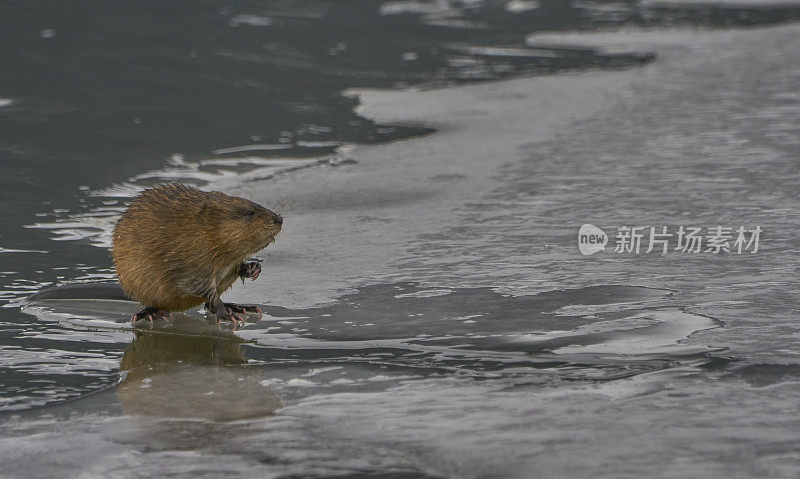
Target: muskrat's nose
{"type": "Point", "coordinates": [277, 218]}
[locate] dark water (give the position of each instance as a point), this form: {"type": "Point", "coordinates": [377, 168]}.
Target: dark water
{"type": "Point", "coordinates": [450, 363]}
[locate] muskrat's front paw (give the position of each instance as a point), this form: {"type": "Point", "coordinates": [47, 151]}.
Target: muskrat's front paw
{"type": "Point", "coordinates": [250, 270]}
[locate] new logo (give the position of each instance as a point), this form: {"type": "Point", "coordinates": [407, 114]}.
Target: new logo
{"type": "Point", "coordinates": [591, 239]}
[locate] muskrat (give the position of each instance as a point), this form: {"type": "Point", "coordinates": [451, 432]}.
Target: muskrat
{"type": "Point", "coordinates": [177, 247]}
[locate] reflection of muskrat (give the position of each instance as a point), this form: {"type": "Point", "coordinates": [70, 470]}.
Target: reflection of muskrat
{"type": "Point", "coordinates": [183, 370]}
{"type": "Point", "coordinates": [177, 247]}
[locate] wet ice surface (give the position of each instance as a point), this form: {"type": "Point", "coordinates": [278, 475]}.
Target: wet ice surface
{"type": "Point", "coordinates": [280, 396]}
{"type": "Point", "coordinates": [428, 313]}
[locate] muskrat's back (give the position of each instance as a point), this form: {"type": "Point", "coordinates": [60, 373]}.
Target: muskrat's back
{"type": "Point", "coordinates": [176, 247]}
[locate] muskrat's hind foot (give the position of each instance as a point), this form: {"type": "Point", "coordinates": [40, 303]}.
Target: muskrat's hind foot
{"type": "Point", "coordinates": [244, 309]}
{"type": "Point", "coordinates": [151, 314]}
{"type": "Point", "coordinates": [231, 312]}
{"type": "Point", "coordinates": [250, 270]}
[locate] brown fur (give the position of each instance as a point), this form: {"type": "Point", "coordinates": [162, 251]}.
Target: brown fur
{"type": "Point", "coordinates": [177, 247]}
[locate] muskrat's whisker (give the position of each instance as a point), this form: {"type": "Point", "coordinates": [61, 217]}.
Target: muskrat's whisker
{"type": "Point", "coordinates": [280, 204]}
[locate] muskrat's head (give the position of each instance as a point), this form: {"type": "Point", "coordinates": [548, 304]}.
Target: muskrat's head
{"type": "Point", "coordinates": [242, 226]}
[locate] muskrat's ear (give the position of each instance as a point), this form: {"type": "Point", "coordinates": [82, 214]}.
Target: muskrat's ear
{"type": "Point", "coordinates": [208, 214]}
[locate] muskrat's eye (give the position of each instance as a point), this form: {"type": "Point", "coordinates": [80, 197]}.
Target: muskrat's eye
{"type": "Point", "coordinates": [251, 213]}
